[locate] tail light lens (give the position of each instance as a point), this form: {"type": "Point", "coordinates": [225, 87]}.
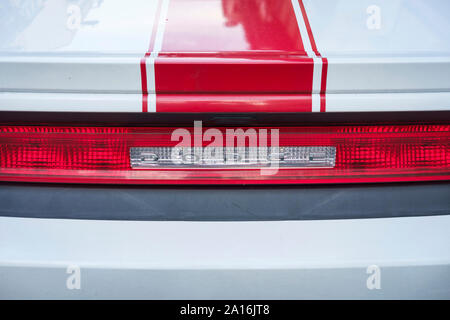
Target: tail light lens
{"type": "Point", "coordinates": [331, 154]}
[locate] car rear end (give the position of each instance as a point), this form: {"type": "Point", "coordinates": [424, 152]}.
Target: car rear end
{"type": "Point", "coordinates": [225, 150]}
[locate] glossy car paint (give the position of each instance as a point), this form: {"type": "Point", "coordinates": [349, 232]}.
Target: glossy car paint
{"type": "Point", "coordinates": [224, 56]}
{"type": "Point", "coordinates": [226, 260]}
{"type": "Point", "coordinates": [221, 56]}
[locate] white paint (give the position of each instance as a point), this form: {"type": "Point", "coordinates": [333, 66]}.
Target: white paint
{"type": "Point", "coordinates": [82, 74]}
{"type": "Point", "coordinates": [68, 27]}
{"type": "Point", "coordinates": [150, 71]}
{"type": "Point", "coordinates": [408, 28]}
{"type": "Point", "coordinates": [92, 56]}
{"type": "Point", "coordinates": [260, 244]}
{"type": "Point", "coordinates": [317, 81]}
{"type": "Point", "coordinates": [71, 102]}
{"type": "Point", "coordinates": [151, 102]}
{"type": "Point", "coordinates": [413, 101]}
{"type": "Point", "coordinates": [303, 30]}
{"type": "Point", "coordinates": [322, 258]}
{"type": "Point", "coordinates": [409, 54]}
{"type": "Point", "coordinates": [372, 74]}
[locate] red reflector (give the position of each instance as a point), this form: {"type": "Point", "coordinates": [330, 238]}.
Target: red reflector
{"type": "Point", "coordinates": [102, 155]}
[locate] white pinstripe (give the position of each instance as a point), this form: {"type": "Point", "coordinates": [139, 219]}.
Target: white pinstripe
{"type": "Point", "coordinates": [317, 71]}
{"type": "Point", "coordinates": [150, 61]}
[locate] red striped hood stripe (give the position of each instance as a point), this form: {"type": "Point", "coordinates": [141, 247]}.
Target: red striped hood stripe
{"type": "Point", "coordinates": [261, 75]}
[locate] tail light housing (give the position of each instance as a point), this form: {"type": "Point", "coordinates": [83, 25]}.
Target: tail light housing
{"type": "Point", "coordinates": [319, 154]}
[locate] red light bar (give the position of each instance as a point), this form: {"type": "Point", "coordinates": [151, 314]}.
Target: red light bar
{"type": "Point", "coordinates": [383, 153]}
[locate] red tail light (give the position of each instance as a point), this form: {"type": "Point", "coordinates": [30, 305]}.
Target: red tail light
{"type": "Point", "coordinates": [102, 155]}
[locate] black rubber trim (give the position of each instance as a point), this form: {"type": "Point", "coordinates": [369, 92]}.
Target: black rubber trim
{"type": "Point", "coordinates": [224, 203]}
{"type": "Point", "coordinates": [221, 119]}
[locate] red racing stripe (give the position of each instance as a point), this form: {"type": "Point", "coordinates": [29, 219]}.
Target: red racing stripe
{"type": "Point", "coordinates": [144, 85]}
{"type": "Point", "coordinates": [323, 87]}
{"type": "Point", "coordinates": [206, 65]}
{"type": "Point", "coordinates": [213, 78]}
{"type": "Point", "coordinates": [234, 102]}
{"type": "Point", "coordinates": [233, 75]}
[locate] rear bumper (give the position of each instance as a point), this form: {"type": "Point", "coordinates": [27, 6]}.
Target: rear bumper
{"type": "Point", "coordinates": [226, 260]}
{"type": "Point", "coordinates": [224, 203]}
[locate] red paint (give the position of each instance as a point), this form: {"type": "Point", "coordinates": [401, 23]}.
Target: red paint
{"type": "Point", "coordinates": [144, 85]}
{"type": "Point", "coordinates": [323, 86]}
{"type": "Point", "coordinates": [234, 48]}
{"type": "Point", "coordinates": [233, 75]}
{"type": "Point", "coordinates": [239, 49]}
{"type": "Point", "coordinates": [232, 26]}
{"type": "Point", "coordinates": [233, 103]}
